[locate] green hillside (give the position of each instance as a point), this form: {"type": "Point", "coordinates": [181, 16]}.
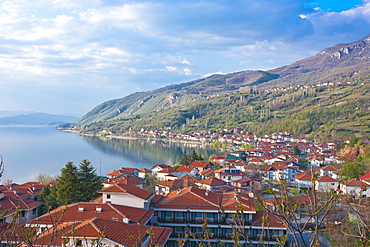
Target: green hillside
{"type": "Point", "coordinates": [282, 99]}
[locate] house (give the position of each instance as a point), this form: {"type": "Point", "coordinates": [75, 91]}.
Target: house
{"type": "Point", "coordinates": [122, 194]}
{"type": "Point", "coordinates": [27, 191]}
{"type": "Point", "coordinates": [187, 209]}
{"type": "Point", "coordinates": [354, 187]}
{"type": "Point", "coordinates": [207, 174]}
{"type": "Point", "coordinates": [168, 173]}
{"type": "Point", "coordinates": [330, 171]}
{"type": "Point", "coordinates": [326, 184]}
{"type": "Point", "coordinates": [11, 206]}
{"type": "Point", "coordinates": [103, 223]}
{"type": "Point", "coordinates": [144, 172]}
{"type": "Point", "coordinates": [229, 174]}
{"type": "Point", "coordinates": [211, 184]}
{"type": "Point", "coordinates": [202, 165]}
{"type": "Point", "coordinates": [124, 179]}
{"type": "Point", "coordinates": [304, 180]}
{"type": "Point", "coordinates": [160, 167]}
{"type": "Point", "coordinates": [168, 186]}
{"type": "Point", "coordinates": [191, 170]}
{"type": "Point", "coordinates": [247, 184]}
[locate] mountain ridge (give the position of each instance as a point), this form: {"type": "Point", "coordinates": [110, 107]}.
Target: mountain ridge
{"type": "Point", "coordinates": [339, 63]}
{"type": "Point", "coordinates": [37, 118]}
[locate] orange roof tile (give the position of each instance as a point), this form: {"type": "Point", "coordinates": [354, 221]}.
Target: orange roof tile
{"type": "Point", "coordinates": [90, 210]}
{"type": "Point", "coordinates": [132, 190]}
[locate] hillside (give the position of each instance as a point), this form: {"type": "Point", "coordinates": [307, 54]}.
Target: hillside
{"type": "Point", "coordinates": [262, 101]}
{"type": "Point", "coordinates": [36, 119]}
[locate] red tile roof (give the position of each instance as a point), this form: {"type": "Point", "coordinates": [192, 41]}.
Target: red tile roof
{"type": "Point", "coordinates": [326, 178]}
{"type": "Point", "coordinates": [85, 210]}
{"type": "Point", "coordinates": [113, 231]}
{"type": "Point", "coordinates": [355, 183]}
{"type": "Point", "coordinates": [212, 182]}
{"type": "Point", "coordinates": [201, 163]}
{"type": "Point", "coordinates": [195, 198]}
{"type": "Point", "coordinates": [132, 190]}
{"type": "Point", "coordinates": [367, 175]}
{"type": "Point", "coordinates": [266, 219]}
{"type": "Point", "coordinates": [329, 168]}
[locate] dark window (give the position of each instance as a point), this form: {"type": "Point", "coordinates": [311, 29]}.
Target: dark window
{"type": "Point", "coordinates": [108, 196]}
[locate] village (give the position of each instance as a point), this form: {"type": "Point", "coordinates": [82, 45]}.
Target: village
{"type": "Point", "coordinates": [185, 205]}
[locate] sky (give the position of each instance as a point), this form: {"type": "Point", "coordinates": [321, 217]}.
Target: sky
{"type": "Point", "coordinates": [68, 56]}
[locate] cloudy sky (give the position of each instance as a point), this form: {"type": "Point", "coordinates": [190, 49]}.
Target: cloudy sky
{"type": "Point", "coordinates": [67, 56]}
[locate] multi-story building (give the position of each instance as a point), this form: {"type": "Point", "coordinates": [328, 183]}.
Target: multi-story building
{"type": "Point", "coordinates": [193, 210]}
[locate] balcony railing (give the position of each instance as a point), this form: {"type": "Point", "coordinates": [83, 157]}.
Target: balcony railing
{"type": "Point", "coordinates": [201, 221]}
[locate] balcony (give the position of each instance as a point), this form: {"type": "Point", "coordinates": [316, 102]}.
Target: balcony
{"type": "Point", "coordinates": [199, 221]}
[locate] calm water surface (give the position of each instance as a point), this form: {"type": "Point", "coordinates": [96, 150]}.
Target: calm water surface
{"type": "Point", "coordinates": [29, 150]}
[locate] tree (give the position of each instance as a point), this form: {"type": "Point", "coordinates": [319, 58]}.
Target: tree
{"type": "Point", "coordinates": [195, 156]}
{"type": "Point", "coordinates": [67, 188]}
{"type": "Point", "coordinates": [44, 178]}
{"type": "Point", "coordinates": [89, 182]}
{"type": "Point", "coordinates": [352, 170]}
{"type": "Point", "coordinates": [73, 185]}
{"type": "Point", "coordinates": [296, 150]}
{"type": "Point", "coordinates": [185, 161]}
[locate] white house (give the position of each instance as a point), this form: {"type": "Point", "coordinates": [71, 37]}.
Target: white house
{"type": "Point", "coordinates": [354, 187]}
{"type": "Point", "coordinates": [326, 184]}
{"type": "Point", "coordinates": [127, 195]}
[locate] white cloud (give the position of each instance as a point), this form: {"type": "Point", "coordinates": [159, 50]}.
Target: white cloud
{"type": "Point", "coordinates": [119, 46]}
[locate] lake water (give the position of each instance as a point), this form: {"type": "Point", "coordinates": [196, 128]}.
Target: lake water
{"type": "Point", "coordinates": [29, 150]}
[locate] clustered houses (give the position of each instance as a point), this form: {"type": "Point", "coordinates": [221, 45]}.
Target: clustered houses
{"type": "Point", "coordinates": [188, 197]}
{"type": "Point", "coordinates": [24, 197]}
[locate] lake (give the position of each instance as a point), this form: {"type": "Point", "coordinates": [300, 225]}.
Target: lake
{"type": "Point", "coordinates": [29, 150]}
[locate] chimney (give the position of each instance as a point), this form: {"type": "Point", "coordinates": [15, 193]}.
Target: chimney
{"type": "Point", "coordinates": [126, 220]}
{"type": "Point", "coordinates": [80, 209]}
{"type": "Point", "coordinates": [99, 209]}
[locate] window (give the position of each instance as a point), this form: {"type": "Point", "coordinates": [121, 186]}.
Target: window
{"type": "Point", "coordinates": [34, 211]}
{"type": "Point", "coordinates": [108, 196]}
{"type": "Point", "coordinates": [23, 213]}
{"type": "Point", "coordinates": [78, 242]}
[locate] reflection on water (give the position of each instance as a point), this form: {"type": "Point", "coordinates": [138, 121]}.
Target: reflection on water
{"type": "Point", "coordinates": [145, 153]}
{"type": "Point", "coordinates": [29, 150]}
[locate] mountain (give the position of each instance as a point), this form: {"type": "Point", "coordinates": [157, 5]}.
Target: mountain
{"type": "Point", "coordinates": [37, 119]}
{"type": "Point", "coordinates": [253, 99]}
{"type": "Point", "coordinates": [13, 113]}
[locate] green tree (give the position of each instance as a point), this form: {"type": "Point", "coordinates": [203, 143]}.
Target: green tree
{"type": "Point", "coordinates": [67, 188]}
{"type": "Point", "coordinates": [185, 161]}
{"type": "Point", "coordinates": [296, 150]}
{"type": "Point", "coordinates": [89, 182]}
{"type": "Point", "coordinates": [49, 196]}
{"type": "Point", "coordinates": [73, 185]}
{"type": "Point", "coordinates": [352, 170]}
{"type": "Point", "coordinates": [195, 156]}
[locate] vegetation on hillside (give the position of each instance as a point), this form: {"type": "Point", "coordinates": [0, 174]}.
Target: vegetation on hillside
{"type": "Point", "coordinates": [330, 113]}
{"type": "Point", "coordinates": [285, 98]}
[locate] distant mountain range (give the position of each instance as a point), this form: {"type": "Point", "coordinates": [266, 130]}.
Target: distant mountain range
{"type": "Point", "coordinates": [178, 106]}
{"type": "Point", "coordinates": [35, 118]}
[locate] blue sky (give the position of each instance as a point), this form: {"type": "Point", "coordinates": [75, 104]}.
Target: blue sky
{"type": "Point", "coordinates": [67, 56]}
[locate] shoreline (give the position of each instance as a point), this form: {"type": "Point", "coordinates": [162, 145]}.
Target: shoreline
{"type": "Point", "coordinates": [141, 138]}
